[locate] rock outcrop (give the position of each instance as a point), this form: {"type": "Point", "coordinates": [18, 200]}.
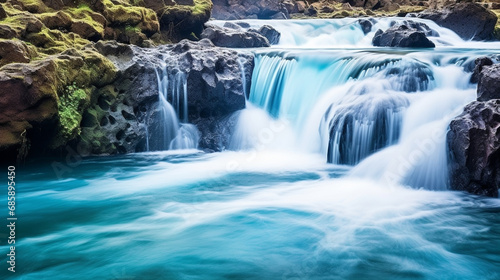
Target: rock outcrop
{"type": "Point", "coordinates": [42, 102]}
{"type": "Point", "coordinates": [249, 9]}
{"type": "Point", "coordinates": [234, 38]}
{"type": "Point", "coordinates": [402, 36]}
{"type": "Point", "coordinates": [474, 139]}
{"type": "Point", "coordinates": [240, 35]}
{"type": "Point", "coordinates": [129, 108]}
{"type": "Point", "coordinates": [489, 83]}
{"type": "Point", "coordinates": [468, 20]}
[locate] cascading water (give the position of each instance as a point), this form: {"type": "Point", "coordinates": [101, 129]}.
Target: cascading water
{"type": "Point", "coordinates": [366, 106]}
{"type": "Point", "coordinates": [175, 131]}
{"type": "Point", "coordinates": [274, 208]}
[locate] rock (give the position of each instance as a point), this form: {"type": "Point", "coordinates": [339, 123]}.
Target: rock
{"type": "Point", "coordinates": [251, 9]}
{"type": "Point", "coordinates": [272, 35]}
{"type": "Point", "coordinates": [47, 97]}
{"type": "Point", "coordinates": [419, 26]}
{"type": "Point", "coordinates": [230, 38]}
{"type": "Point", "coordinates": [86, 30]}
{"type": "Point", "coordinates": [311, 11]}
{"type": "Point", "coordinates": [181, 21]}
{"type": "Point", "coordinates": [301, 6]}
{"type": "Point", "coordinates": [401, 36]}
{"type": "Point", "coordinates": [3, 14]}
{"type": "Point", "coordinates": [468, 20]}
{"type": "Point", "coordinates": [14, 51]}
{"type": "Point", "coordinates": [391, 7]}
{"type": "Point", "coordinates": [59, 20]}
{"type": "Point", "coordinates": [489, 82]}
{"type": "Point", "coordinates": [479, 63]}
{"type": "Point", "coordinates": [474, 141]}
{"type": "Point", "coordinates": [366, 25]}
{"type": "Point", "coordinates": [291, 6]}
{"type": "Point", "coordinates": [7, 32]}
{"type": "Point", "coordinates": [214, 92]}
{"type": "Point", "coordinates": [242, 24]}
{"type": "Point", "coordinates": [372, 4]}
{"type": "Point", "coordinates": [185, 2]}
{"type": "Point", "coordinates": [347, 7]}
{"type": "Point", "coordinates": [27, 99]}
{"type": "Point", "coordinates": [231, 25]}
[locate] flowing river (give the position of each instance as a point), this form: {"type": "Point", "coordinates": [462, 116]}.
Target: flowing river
{"type": "Point", "coordinates": [337, 169]}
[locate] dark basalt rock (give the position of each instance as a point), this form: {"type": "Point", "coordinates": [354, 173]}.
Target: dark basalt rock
{"type": "Point", "coordinates": [271, 34]}
{"type": "Point", "coordinates": [419, 26]}
{"type": "Point", "coordinates": [249, 9]}
{"type": "Point", "coordinates": [215, 90]}
{"type": "Point", "coordinates": [474, 141]}
{"type": "Point", "coordinates": [468, 20]}
{"type": "Point", "coordinates": [479, 63]}
{"type": "Point", "coordinates": [401, 36]}
{"type": "Point", "coordinates": [489, 82]}
{"type": "Point", "coordinates": [235, 38]}
{"type": "Point", "coordinates": [366, 25]}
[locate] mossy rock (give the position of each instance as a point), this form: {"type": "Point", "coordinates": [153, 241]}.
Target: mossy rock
{"type": "Point", "coordinates": [22, 24]}
{"type": "Point", "coordinates": [32, 6]}
{"type": "Point", "coordinates": [180, 21]}
{"type": "Point", "coordinates": [15, 51]}
{"type": "Point", "coordinates": [58, 20]}
{"type": "Point", "coordinates": [54, 41]}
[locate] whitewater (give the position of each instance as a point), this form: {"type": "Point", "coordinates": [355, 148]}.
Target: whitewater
{"type": "Point", "coordinates": [337, 169]}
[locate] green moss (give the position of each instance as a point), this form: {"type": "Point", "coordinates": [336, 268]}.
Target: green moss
{"type": "Point", "coordinates": [84, 7]}
{"type": "Point", "coordinates": [71, 102]}
{"type": "Point", "coordinates": [134, 29]}
{"type": "Point", "coordinates": [496, 32]}
{"type": "Point", "coordinates": [201, 7]}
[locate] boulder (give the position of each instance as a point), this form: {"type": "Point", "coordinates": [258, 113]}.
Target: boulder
{"type": "Point", "coordinates": [231, 38]}
{"type": "Point", "coordinates": [468, 20]}
{"type": "Point", "coordinates": [366, 25]}
{"type": "Point", "coordinates": [182, 21]}
{"type": "Point", "coordinates": [419, 26]}
{"type": "Point", "coordinates": [87, 30]}
{"type": "Point", "coordinates": [59, 20]}
{"type": "Point", "coordinates": [14, 51]}
{"type": "Point", "coordinates": [489, 82]}
{"type": "Point", "coordinates": [272, 35]}
{"type": "Point", "coordinates": [401, 36]}
{"type": "Point", "coordinates": [479, 63]}
{"type": "Point", "coordinates": [474, 143]}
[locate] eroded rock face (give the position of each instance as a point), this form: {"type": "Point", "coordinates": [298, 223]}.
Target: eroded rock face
{"type": "Point", "coordinates": [468, 20]}
{"type": "Point", "coordinates": [474, 136]}
{"type": "Point", "coordinates": [250, 9]}
{"type": "Point", "coordinates": [214, 84]}
{"type": "Point", "coordinates": [41, 102]}
{"type": "Point", "coordinates": [234, 38]}
{"type": "Point", "coordinates": [474, 141]}
{"type": "Point", "coordinates": [401, 36]}
{"type": "Point", "coordinates": [489, 83]}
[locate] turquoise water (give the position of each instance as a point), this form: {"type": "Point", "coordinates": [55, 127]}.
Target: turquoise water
{"type": "Point", "coordinates": [274, 208]}
{"type": "Point", "coordinates": [245, 215]}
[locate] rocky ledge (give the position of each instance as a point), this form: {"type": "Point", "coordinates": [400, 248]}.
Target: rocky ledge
{"type": "Point", "coordinates": [474, 137]}
{"type": "Point", "coordinates": [107, 101]}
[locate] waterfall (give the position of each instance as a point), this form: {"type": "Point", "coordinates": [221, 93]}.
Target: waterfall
{"type": "Point", "coordinates": [383, 112]}
{"type": "Point", "coordinates": [174, 130]}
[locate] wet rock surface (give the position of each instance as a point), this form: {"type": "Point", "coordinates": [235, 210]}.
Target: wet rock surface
{"type": "Point", "coordinates": [402, 36]}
